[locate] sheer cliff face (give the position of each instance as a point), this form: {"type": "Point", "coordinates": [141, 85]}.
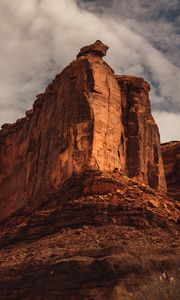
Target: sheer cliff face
{"type": "Point", "coordinates": [171, 159]}
{"type": "Point", "coordinates": [143, 153]}
{"type": "Point", "coordinates": [87, 119]}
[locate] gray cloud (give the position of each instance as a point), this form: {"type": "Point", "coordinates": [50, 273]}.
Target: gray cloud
{"type": "Point", "coordinates": [168, 124]}
{"type": "Point", "coordinates": [39, 38]}
{"type": "Point", "coordinates": [158, 21]}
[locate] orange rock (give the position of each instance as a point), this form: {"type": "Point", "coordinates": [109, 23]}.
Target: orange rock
{"type": "Point", "coordinates": [97, 48]}
{"type": "Point", "coordinates": [87, 119]}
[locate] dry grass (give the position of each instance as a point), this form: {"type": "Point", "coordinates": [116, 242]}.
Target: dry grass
{"type": "Point", "coordinates": [163, 287]}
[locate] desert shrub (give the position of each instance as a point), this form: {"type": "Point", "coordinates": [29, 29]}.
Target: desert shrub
{"type": "Point", "coordinates": [164, 287]}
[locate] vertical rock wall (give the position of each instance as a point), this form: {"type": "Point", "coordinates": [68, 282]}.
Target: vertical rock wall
{"type": "Point", "coordinates": [87, 119]}
{"type": "Point", "coordinates": [143, 153]}
{"type": "Point", "coordinates": [38, 153]}
{"type": "Point", "coordinates": [104, 100]}
{"type": "Point", "coordinates": [171, 159]}
{"type": "Point", "coordinates": [74, 126]}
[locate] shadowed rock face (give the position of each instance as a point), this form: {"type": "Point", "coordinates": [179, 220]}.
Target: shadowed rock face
{"type": "Point", "coordinates": [87, 119]}
{"type": "Point", "coordinates": [143, 153]}
{"type": "Point", "coordinates": [171, 158]}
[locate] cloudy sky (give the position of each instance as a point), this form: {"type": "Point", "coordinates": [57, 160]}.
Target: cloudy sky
{"type": "Point", "coordinates": [40, 37]}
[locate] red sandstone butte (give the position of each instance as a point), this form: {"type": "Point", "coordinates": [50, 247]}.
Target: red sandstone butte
{"type": "Point", "coordinates": [171, 158]}
{"type": "Point", "coordinates": [87, 119]}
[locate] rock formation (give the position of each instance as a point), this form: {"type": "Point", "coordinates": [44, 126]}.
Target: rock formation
{"type": "Point", "coordinates": [83, 205]}
{"type": "Point", "coordinates": [171, 158]}
{"type": "Point", "coordinates": [87, 119]}
{"type": "Point", "coordinates": [100, 237]}
{"type": "Point", "coordinates": [143, 154]}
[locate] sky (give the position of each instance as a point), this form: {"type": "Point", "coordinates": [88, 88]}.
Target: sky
{"type": "Point", "coordinates": [40, 37]}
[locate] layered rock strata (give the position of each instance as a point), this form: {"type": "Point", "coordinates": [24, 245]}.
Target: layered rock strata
{"type": "Point", "coordinates": [103, 236]}
{"type": "Point", "coordinates": [87, 119]}
{"type": "Point", "coordinates": [171, 158]}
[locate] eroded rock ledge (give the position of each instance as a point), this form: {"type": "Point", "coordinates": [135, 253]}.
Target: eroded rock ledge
{"type": "Point", "coordinates": [102, 235]}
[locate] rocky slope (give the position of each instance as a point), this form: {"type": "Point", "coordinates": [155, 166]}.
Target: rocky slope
{"type": "Point", "coordinates": [83, 205]}
{"type": "Point", "coordinates": [102, 234]}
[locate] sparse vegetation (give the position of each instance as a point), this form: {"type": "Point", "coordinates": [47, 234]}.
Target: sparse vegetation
{"type": "Point", "coordinates": [164, 287]}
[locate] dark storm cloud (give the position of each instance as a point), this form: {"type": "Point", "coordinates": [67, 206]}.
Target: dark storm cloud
{"type": "Point", "coordinates": [38, 38]}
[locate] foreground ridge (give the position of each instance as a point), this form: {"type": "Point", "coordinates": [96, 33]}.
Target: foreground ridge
{"type": "Point", "coordinates": [102, 235]}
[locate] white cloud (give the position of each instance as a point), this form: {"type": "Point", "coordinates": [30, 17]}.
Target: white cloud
{"type": "Point", "coordinates": [169, 125]}
{"type": "Point", "coordinates": [40, 37]}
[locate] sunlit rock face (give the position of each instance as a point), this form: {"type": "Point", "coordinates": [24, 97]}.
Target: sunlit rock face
{"type": "Point", "coordinates": [88, 119]}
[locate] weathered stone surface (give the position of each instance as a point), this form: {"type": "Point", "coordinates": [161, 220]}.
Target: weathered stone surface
{"type": "Point", "coordinates": [101, 236]}
{"type": "Point", "coordinates": [75, 125]}
{"type": "Point", "coordinates": [141, 134]}
{"type": "Point", "coordinates": [78, 125]}
{"type": "Point", "coordinates": [85, 199]}
{"type": "Point", "coordinates": [97, 48]}
{"type": "Point", "coordinates": [171, 158]}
